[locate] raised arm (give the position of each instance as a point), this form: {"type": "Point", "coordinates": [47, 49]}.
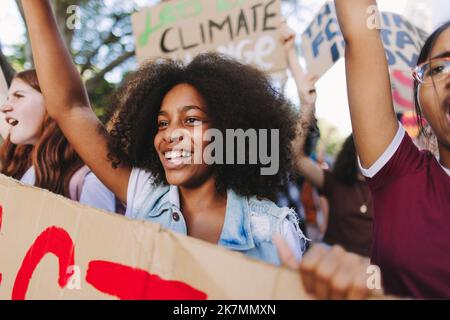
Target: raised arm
{"type": "Point", "coordinates": [303, 165]}
{"type": "Point", "coordinates": [369, 92]}
{"type": "Point", "coordinates": [66, 99]}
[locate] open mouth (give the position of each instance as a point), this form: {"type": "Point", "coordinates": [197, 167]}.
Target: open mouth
{"type": "Point", "coordinates": [12, 122]}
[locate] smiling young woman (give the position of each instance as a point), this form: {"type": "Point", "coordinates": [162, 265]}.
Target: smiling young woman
{"type": "Point", "coordinates": [146, 160]}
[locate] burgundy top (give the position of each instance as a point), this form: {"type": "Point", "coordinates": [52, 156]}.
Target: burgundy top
{"type": "Point", "coordinates": [411, 192]}
{"type": "Point", "coordinates": [348, 225]}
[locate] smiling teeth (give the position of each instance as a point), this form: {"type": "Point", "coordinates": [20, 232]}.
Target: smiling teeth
{"type": "Point", "coordinates": [177, 154]}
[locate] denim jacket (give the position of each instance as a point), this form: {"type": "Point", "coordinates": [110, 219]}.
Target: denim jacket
{"type": "Point", "coordinates": [249, 222]}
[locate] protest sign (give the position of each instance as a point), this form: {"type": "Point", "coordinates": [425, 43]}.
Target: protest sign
{"type": "Point", "coordinates": [402, 84]}
{"type": "Point", "coordinates": [409, 122]}
{"type": "Point", "coordinates": [181, 29]}
{"type": "Point", "coordinates": [54, 248]}
{"type": "Point", "coordinates": [323, 43]}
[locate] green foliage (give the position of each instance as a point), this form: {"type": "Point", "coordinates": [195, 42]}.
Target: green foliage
{"type": "Point", "coordinates": [103, 47]}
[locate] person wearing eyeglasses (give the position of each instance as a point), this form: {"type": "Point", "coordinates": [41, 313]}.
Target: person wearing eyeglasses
{"type": "Point", "coordinates": [410, 188]}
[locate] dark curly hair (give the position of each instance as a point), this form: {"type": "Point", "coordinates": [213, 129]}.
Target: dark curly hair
{"type": "Point", "coordinates": [346, 166]}
{"type": "Point", "coordinates": [237, 97]}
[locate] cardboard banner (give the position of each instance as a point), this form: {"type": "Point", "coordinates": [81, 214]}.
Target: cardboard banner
{"type": "Point", "coordinates": [402, 84]}
{"type": "Point", "coordinates": [409, 122]}
{"type": "Point", "coordinates": [181, 29]}
{"type": "Point", "coordinates": [54, 248]}
{"type": "Point", "coordinates": [323, 43]}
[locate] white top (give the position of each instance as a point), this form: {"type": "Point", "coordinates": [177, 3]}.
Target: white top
{"type": "Point", "coordinates": [29, 177]}
{"type": "Point", "coordinates": [141, 185]}
{"type": "Point", "coordinates": [388, 154]}
{"type": "Point", "coordinates": [94, 193]}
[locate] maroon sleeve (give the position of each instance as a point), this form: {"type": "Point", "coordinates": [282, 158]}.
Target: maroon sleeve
{"type": "Point", "coordinates": [406, 160]}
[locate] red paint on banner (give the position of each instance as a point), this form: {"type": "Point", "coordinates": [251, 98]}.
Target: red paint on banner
{"type": "Point", "coordinates": [403, 79]}
{"type": "Point", "coordinates": [53, 240]}
{"type": "Point", "coordinates": [404, 102]}
{"type": "Point", "coordinates": [128, 283]}
{"type": "Point", "coordinates": [123, 282]}
{"type": "Point", "coordinates": [407, 82]}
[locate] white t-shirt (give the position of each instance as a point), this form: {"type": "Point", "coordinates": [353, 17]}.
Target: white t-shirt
{"type": "Point", "coordinates": [141, 185]}
{"type": "Point", "coordinates": [29, 177]}
{"type": "Point", "coordinates": [94, 193]}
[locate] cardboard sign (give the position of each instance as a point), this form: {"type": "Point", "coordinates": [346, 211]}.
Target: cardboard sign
{"type": "Point", "coordinates": [54, 248]}
{"type": "Point", "coordinates": [409, 122]}
{"type": "Point", "coordinates": [181, 29]}
{"type": "Point", "coordinates": [323, 43]}
{"type": "Point", "coordinates": [402, 84]}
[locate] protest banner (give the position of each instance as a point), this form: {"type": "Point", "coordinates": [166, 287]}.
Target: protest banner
{"type": "Point", "coordinates": [323, 43]}
{"type": "Point", "coordinates": [402, 84]}
{"type": "Point", "coordinates": [409, 122]}
{"type": "Point", "coordinates": [181, 29]}
{"type": "Point", "coordinates": [54, 248]}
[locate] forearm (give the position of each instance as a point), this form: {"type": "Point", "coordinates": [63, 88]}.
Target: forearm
{"type": "Point", "coordinates": [307, 110]}
{"type": "Point", "coordinates": [65, 97]}
{"type": "Point", "coordinates": [303, 124]}
{"type": "Point", "coordinates": [59, 79]}
{"type": "Point", "coordinates": [368, 84]}
{"type": "Point", "coordinates": [303, 165]}
{"type": "Point", "coordinates": [294, 66]}
{"type": "Point", "coordinates": [355, 20]}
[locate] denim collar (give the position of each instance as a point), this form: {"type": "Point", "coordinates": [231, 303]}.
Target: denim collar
{"type": "Point", "coordinates": [236, 233]}
{"type": "Point", "coordinates": [174, 197]}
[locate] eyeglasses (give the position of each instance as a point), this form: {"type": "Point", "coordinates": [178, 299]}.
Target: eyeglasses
{"type": "Point", "coordinates": [432, 71]}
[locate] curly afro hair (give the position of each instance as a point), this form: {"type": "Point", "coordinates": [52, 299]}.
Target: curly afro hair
{"type": "Point", "coordinates": [237, 96]}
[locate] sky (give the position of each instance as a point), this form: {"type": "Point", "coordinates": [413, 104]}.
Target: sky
{"type": "Point", "coordinates": [332, 104]}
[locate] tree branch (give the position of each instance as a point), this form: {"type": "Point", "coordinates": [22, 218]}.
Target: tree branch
{"type": "Point", "coordinates": [110, 39]}
{"type": "Point", "coordinates": [28, 53]}
{"type": "Point", "coordinates": [94, 81]}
